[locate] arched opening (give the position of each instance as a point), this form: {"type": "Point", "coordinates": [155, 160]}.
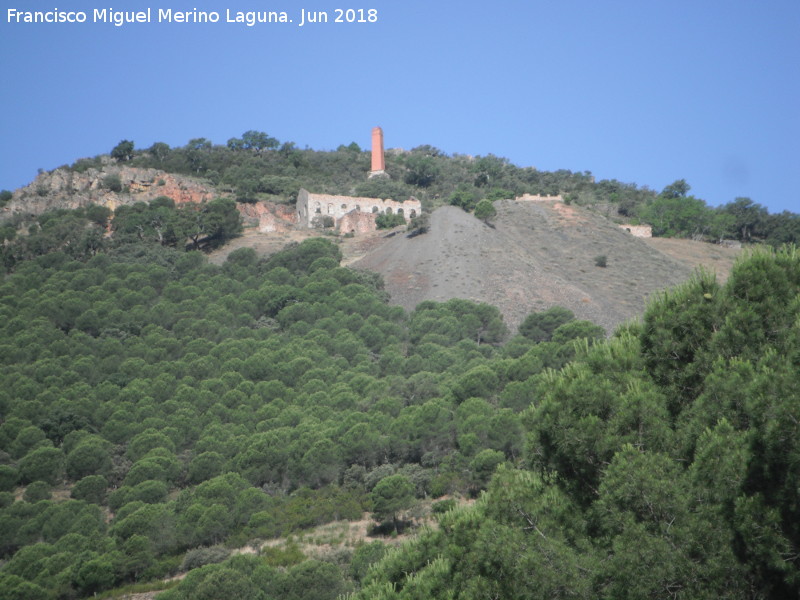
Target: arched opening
{"type": "Point", "coordinates": [412, 214]}
{"type": "Point", "coordinates": [344, 206]}
{"type": "Point", "coordinates": [317, 208]}
{"type": "Point", "coordinates": [388, 210]}
{"type": "Point", "coordinates": [330, 209]}
{"type": "Point", "coordinates": [374, 210]}
{"type": "Point", "coordinates": [358, 207]}
{"type": "Point", "coordinates": [400, 212]}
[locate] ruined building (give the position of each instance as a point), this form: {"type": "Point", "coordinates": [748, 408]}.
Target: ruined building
{"type": "Point", "coordinates": [641, 231]}
{"type": "Point", "coordinates": [350, 213]}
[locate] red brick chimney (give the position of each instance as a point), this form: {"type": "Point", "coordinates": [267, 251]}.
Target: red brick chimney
{"type": "Point", "coordinates": [378, 162]}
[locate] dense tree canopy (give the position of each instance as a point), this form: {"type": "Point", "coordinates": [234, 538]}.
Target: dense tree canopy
{"type": "Point", "coordinates": [202, 405]}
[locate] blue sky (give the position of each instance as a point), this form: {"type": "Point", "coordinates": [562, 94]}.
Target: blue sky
{"type": "Point", "coordinates": [642, 91]}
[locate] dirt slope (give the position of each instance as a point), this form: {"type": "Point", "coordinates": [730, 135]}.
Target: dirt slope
{"type": "Point", "coordinates": [713, 257]}
{"type": "Point", "coordinates": [539, 254]}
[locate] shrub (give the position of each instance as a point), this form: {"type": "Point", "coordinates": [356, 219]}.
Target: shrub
{"type": "Point", "coordinates": [123, 151]}
{"type": "Point", "coordinates": [112, 182]}
{"type": "Point", "coordinates": [204, 556]}
{"type": "Point", "coordinates": [91, 488]}
{"type": "Point", "coordinates": [443, 506]}
{"type": "Point", "coordinates": [539, 327]}
{"type": "Point", "coordinates": [485, 210]}
{"type": "Point", "coordinates": [385, 221]}
{"type": "Point", "coordinates": [601, 261]}
{"type": "Point", "coordinates": [418, 225]}
{"type": "Point", "coordinates": [464, 197]}
{"type": "Point", "coordinates": [364, 557]}
{"type": "Point", "coordinates": [283, 556]}
{"type": "Point", "coordinates": [322, 222]}
{"type": "Point", "coordinates": [38, 490]}
{"type": "Point", "coordinates": [42, 464]}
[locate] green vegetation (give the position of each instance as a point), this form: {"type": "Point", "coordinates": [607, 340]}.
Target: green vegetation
{"type": "Point", "coordinates": [157, 411]}
{"type": "Point", "coordinates": [485, 211]}
{"type": "Point", "coordinates": [80, 234]}
{"type": "Point", "coordinates": [387, 221]}
{"type": "Point", "coordinates": [673, 213]}
{"type": "Point", "coordinates": [123, 151]}
{"type": "Point", "coordinates": [601, 260]}
{"type": "Point", "coordinates": [419, 225]}
{"type": "Point", "coordinates": [661, 463]}
{"type": "Point", "coordinates": [392, 495]}
{"type": "Point", "coordinates": [202, 406]}
{"type": "Point", "coordinates": [112, 182]}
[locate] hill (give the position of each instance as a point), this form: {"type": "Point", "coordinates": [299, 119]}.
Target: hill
{"type": "Point", "coordinates": [158, 409]}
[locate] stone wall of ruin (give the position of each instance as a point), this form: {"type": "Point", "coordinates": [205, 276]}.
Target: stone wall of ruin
{"type": "Point", "coordinates": [538, 198]}
{"type": "Point", "coordinates": [357, 222]}
{"type": "Point", "coordinates": [268, 217]}
{"type": "Point", "coordinates": [641, 231]}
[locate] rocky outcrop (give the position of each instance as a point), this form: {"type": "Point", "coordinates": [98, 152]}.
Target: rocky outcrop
{"type": "Point", "coordinates": [269, 217]}
{"type": "Point", "coordinates": [114, 185]}
{"type": "Point", "coordinates": [111, 186]}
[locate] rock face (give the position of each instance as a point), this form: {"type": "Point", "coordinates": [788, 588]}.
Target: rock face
{"type": "Point", "coordinates": [67, 189]}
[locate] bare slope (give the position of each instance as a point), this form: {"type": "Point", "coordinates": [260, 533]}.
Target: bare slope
{"type": "Point", "coordinates": [539, 254]}
{"type": "Point", "coordinates": [714, 257]}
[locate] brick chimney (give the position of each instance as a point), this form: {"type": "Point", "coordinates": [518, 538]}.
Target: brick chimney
{"type": "Point", "coordinates": [378, 162]}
